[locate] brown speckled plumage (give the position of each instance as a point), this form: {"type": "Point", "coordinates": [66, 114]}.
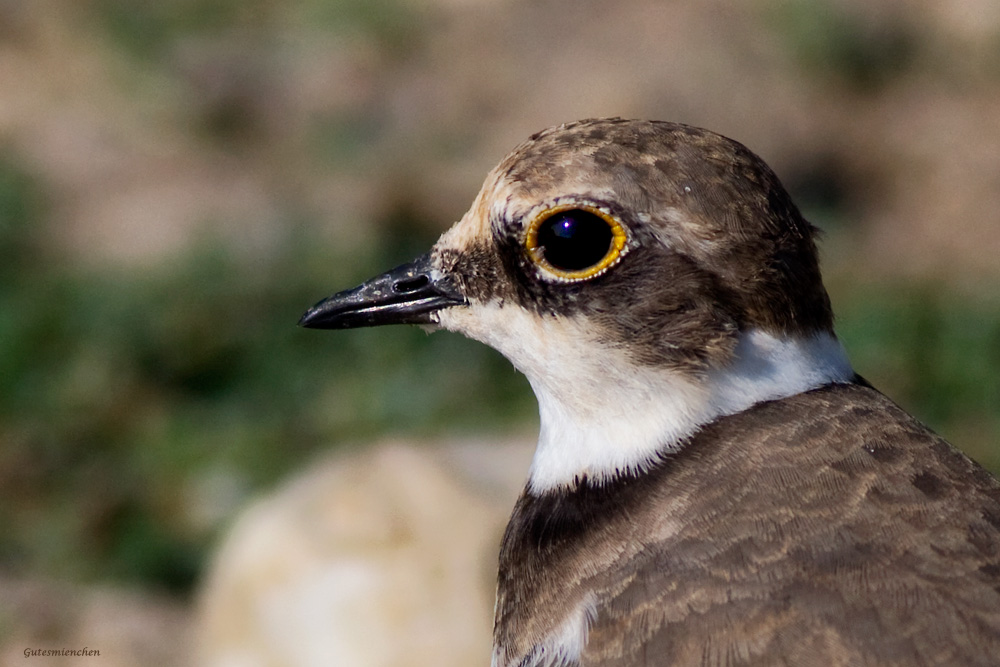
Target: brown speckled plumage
{"type": "Point", "coordinates": [829, 528]}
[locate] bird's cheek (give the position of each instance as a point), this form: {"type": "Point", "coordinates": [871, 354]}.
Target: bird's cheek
{"type": "Point", "coordinates": [512, 331]}
{"type": "Point", "coordinates": [481, 322]}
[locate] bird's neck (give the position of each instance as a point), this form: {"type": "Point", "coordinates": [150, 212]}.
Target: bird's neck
{"type": "Point", "coordinates": [631, 415]}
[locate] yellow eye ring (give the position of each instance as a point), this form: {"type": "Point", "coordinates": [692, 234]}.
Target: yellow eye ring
{"type": "Point", "coordinates": [575, 242]}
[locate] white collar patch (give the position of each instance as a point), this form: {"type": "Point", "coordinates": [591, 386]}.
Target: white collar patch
{"type": "Point", "coordinates": [659, 410]}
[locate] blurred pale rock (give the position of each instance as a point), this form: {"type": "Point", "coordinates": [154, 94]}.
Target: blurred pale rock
{"type": "Point", "coordinates": [381, 557]}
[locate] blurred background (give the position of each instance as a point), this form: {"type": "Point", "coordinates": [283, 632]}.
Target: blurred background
{"type": "Point", "coordinates": [181, 179]}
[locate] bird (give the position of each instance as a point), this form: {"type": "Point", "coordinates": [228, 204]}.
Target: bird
{"type": "Point", "coordinates": [713, 483]}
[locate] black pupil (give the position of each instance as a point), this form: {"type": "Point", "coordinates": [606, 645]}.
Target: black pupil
{"type": "Point", "coordinates": [574, 240]}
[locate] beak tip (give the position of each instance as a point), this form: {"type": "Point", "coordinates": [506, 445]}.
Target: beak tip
{"type": "Point", "coordinates": [313, 319]}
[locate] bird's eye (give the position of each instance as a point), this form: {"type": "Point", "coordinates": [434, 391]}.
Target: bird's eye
{"type": "Point", "coordinates": [575, 243]}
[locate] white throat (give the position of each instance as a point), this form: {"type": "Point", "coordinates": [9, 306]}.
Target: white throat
{"type": "Point", "coordinates": [624, 424]}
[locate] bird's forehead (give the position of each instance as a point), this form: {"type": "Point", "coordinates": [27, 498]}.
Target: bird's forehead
{"type": "Point", "coordinates": [566, 168]}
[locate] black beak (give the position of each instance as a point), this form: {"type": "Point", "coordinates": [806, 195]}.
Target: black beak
{"type": "Point", "coordinates": [409, 294]}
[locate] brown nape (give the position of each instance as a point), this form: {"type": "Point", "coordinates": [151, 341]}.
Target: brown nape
{"type": "Point", "coordinates": [707, 198]}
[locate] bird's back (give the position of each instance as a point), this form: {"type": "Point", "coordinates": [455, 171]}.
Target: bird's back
{"type": "Point", "coordinates": [825, 528]}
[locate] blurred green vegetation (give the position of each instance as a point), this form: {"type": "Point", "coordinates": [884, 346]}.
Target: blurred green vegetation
{"type": "Point", "coordinates": [148, 30]}
{"type": "Point", "coordinates": [831, 42]}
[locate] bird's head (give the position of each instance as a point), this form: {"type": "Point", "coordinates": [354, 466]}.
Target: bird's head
{"type": "Point", "coordinates": [646, 277]}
